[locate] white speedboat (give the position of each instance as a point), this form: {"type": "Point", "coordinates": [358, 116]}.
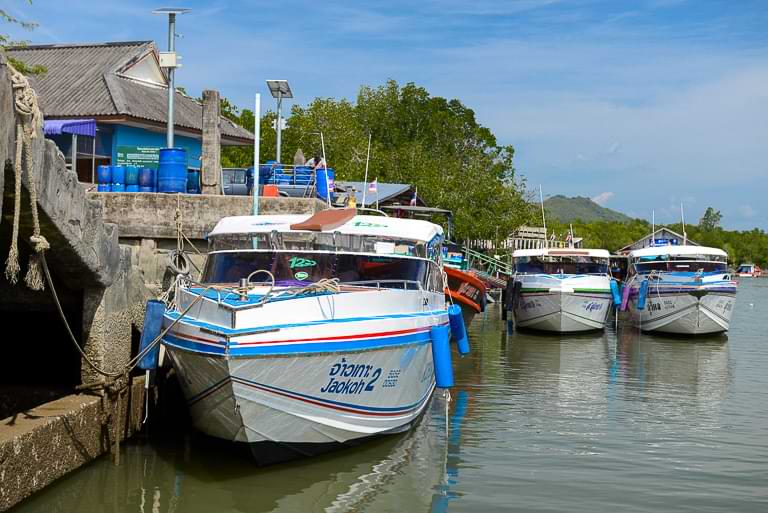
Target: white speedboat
{"type": "Point", "coordinates": [749, 271]}
{"type": "Point", "coordinates": [307, 334]}
{"type": "Point", "coordinates": [680, 289]}
{"type": "Point", "coordinates": [561, 290]}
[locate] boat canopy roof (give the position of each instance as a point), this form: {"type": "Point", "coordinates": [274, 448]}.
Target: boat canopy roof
{"type": "Point", "coordinates": [377, 226]}
{"type": "Point", "coordinates": [561, 252]}
{"type": "Point", "coordinates": [677, 251]}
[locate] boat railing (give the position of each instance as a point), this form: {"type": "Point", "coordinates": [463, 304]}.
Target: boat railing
{"type": "Point", "coordinates": [302, 178]}
{"type": "Point", "coordinates": [386, 284]}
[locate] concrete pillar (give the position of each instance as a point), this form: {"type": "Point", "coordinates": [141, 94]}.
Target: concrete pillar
{"type": "Point", "coordinates": [109, 313]}
{"type": "Point", "coordinates": [211, 155]}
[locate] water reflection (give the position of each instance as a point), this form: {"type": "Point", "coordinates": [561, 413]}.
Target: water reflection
{"type": "Point", "coordinates": [196, 474]}
{"type": "Point", "coordinates": [617, 420]}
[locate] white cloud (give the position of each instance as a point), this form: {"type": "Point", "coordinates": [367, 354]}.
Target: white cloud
{"type": "Point", "coordinates": [747, 211]}
{"type": "Point", "coordinates": [602, 198]}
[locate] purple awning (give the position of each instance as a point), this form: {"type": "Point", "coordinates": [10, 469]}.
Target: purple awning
{"type": "Point", "coordinates": [70, 126]}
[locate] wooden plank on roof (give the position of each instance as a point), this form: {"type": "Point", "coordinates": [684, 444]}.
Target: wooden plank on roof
{"type": "Point", "coordinates": [326, 220]}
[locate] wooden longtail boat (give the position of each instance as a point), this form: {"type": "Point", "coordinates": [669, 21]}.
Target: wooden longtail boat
{"type": "Point", "coordinates": [466, 291]}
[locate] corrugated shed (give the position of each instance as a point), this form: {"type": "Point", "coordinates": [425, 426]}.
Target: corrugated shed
{"type": "Point", "coordinates": [82, 81]}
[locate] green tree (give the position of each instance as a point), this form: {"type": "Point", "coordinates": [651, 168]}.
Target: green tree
{"type": "Point", "coordinates": [710, 220]}
{"type": "Point", "coordinates": [433, 143]}
{"type": "Point", "coordinates": [6, 41]}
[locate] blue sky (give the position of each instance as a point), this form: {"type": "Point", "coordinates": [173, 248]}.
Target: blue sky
{"type": "Point", "coordinates": [640, 105]}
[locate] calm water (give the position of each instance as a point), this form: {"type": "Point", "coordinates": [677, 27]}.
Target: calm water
{"type": "Point", "coordinates": [603, 422]}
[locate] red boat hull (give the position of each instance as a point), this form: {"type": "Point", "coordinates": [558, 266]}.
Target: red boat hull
{"type": "Point", "coordinates": [466, 291]}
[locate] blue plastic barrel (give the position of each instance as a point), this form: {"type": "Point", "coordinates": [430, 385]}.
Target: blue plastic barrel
{"type": "Point", "coordinates": [153, 325]}
{"type": "Point", "coordinates": [105, 187]}
{"type": "Point", "coordinates": [642, 295]}
{"type": "Point", "coordinates": [146, 189]}
{"type": "Point", "coordinates": [146, 177]}
{"type": "Point", "coordinates": [132, 188]}
{"type": "Point", "coordinates": [118, 187]}
{"type": "Point", "coordinates": [193, 181]}
{"type": "Point", "coordinates": [616, 293]}
{"type": "Point", "coordinates": [118, 174]}
{"type": "Point", "coordinates": [441, 356]}
{"type": "Point", "coordinates": [172, 170]}
{"type": "Point", "coordinates": [458, 330]}
{"type": "Point", "coordinates": [104, 175]}
{"type": "Point", "coordinates": [322, 186]}
{"type": "Point", "coordinates": [131, 175]}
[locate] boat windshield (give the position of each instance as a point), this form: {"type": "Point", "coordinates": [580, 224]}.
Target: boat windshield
{"type": "Point", "coordinates": [295, 268]}
{"type": "Point", "coordinates": [547, 264]}
{"type": "Point", "coordinates": [681, 263]}
{"type": "Point", "coordinates": [326, 241]}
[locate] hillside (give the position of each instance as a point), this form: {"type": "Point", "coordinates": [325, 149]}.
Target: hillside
{"type": "Point", "coordinates": [567, 210]}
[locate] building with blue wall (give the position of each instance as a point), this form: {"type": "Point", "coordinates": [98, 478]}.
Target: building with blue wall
{"type": "Point", "coordinates": [122, 87]}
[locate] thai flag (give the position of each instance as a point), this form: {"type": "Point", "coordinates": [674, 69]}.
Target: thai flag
{"type": "Point", "coordinates": [373, 186]}
{"type": "Point", "coordinates": [415, 196]}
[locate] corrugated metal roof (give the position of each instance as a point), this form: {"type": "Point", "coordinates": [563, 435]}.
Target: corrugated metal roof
{"type": "Point", "coordinates": [82, 81]}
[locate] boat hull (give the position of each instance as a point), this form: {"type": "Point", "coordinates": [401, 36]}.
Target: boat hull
{"type": "Point", "coordinates": [688, 310]}
{"type": "Point", "coordinates": [305, 388]}
{"type": "Point", "coordinates": [467, 291]}
{"type": "Point", "coordinates": [562, 304]}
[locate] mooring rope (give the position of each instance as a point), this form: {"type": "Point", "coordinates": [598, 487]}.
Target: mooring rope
{"type": "Point", "coordinates": [133, 362]}
{"type": "Point", "coordinates": [29, 120]}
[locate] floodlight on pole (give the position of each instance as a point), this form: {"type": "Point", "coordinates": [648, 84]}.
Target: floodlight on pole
{"type": "Point", "coordinates": [279, 89]}
{"type": "Point", "coordinates": [169, 60]}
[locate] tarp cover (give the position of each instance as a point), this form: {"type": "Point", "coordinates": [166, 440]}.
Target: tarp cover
{"type": "Point", "coordinates": [70, 126]}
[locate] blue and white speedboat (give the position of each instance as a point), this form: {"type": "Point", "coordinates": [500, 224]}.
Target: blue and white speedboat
{"type": "Point", "coordinates": [561, 289]}
{"type": "Point", "coordinates": [310, 333]}
{"type": "Point", "coordinates": [680, 289]}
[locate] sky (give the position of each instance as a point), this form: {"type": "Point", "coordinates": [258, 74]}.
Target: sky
{"type": "Point", "coordinates": [641, 105]}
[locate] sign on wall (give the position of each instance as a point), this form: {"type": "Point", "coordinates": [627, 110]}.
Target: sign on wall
{"type": "Point", "coordinates": [142, 156]}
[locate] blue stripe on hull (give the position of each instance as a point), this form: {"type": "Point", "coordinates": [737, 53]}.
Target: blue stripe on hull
{"type": "Point", "coordinates": [174, 314]}
{"type": "Point", "coordinates": [293, 349]}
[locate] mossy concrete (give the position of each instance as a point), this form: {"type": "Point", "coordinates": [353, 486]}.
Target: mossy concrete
{"type": "Point", "coordinates": [45, 443]}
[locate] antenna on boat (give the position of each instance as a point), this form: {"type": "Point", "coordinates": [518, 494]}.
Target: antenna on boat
{"type": "Point", "coordinates": [256, 149]}
{"type": "Point", "coordinates": [543, 217]}
{"type": "Point", "coordinates": [653, 228]}
{"type": "Point", "coordinates": [367, 159]}
{"type": "Point", "coordinates": [682, 220]}
{"type": "Point", "coordinates": [570, 225]}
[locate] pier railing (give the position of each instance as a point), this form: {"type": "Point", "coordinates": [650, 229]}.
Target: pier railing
{"type": "Point", "coordinates": [481, 261]}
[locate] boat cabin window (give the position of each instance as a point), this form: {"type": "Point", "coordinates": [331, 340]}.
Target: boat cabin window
{"type": "Point", "coordinates": [324, 241]}
{"type": "Point", "coordinates": [681, 263]}
{"type": "Point", "coordinates": [294, 268]}
{"type": "Point", "coordinates": [546, 264]}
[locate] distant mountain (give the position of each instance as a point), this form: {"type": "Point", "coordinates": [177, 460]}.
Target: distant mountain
{"type": "Point", "coordinates": [567, 210]}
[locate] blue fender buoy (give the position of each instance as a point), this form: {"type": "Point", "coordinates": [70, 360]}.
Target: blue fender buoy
{"type": "Point", "coordinates": [625, 290]}
{"type": "Point", "coordinates": [642, 295]}
{"type": "Point", "coordinates": [616, 293]}
{"type": "Point", "coordinates": [153, 325]}
{"type": "Point", "coordinates": [441, 356]}
{"type": "Point", "coordinates": [458, 330]}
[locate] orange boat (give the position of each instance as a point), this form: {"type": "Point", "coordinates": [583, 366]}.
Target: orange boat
{"type": "Point", "coordinates": [466, 291]}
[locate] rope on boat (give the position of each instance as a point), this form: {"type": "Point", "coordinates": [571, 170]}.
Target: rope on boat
{"type": "Point", "coordinates": [330, 285]}
{"type": "Point", "coordinates": [29, 121]}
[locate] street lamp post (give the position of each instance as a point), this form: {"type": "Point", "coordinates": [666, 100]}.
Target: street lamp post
{"type": "Point", "coordinates": [169, 60]}
{"type": "Point", "coordinates": [279, 89]}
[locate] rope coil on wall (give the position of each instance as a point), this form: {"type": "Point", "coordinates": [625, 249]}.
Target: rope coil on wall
{"type": "Point", "coordinates": [29, 121]}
